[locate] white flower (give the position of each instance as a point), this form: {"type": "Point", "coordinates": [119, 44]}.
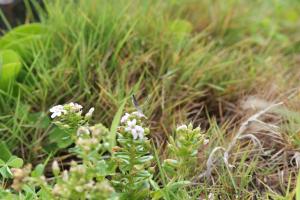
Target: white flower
{"type": "Point", "coordinates": [182, 127]}
{"type": "Point", "coordinates": [206, 141]}
{"type": "Point", "coordinates": [125, 118]}
{"type": "Point", "coordinates": [131, 124]}
{"type": "Point", "coordinates": [210, 196]}
{"type": "Point", "coordinates": [57, 111]}
{"type": "Point", "coordinates": [75, 106]}
{"type": "Point", "coordinates": [90, 112]}
{"type": "Point", "coordinates": [136, 130]}
{"type": "Point", "coordinates": [139, 132]}
{"type": "Point", "coordinates": [139, 114]}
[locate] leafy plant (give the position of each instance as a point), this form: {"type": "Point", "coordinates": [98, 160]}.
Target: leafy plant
{"type": "Point", "coordinates": [22, 38]}
{"type": "Point", "coordinates": [125, 171]}
{"type": "Point", "coordinates": [13, 162]}
{"type": "Point", "coordinates": [10, 66]}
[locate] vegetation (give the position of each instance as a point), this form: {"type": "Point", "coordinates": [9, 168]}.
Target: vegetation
{"type": "Point", "coordinates": [227, 67]}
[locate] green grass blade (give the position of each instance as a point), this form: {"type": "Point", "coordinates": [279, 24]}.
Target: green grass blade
{"type": "Point", "coordinates": [115, 123]}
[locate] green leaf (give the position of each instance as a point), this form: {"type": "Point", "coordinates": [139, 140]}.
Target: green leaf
{"type": "Point", "coordinates": [144, 159]}
{"type": "Point", "coordinates": [157, 195]}
{"type": "Point", "coordinates": [2, 162]}
{"type": "Point", "coordinates": [115, 123]}
{"type": "Point", "coordinates": [15, 162]}
{"type": "Point", "coordinates": [60, 137]}
{"type": "Point", "coordinates": [179, 184]}
{"type": "Point", "coordinates": [10, 66]}
{"type": "Point", "coordinates": [101, 168]}
{"type": "Point", "coordinates": [29, 192]}
{"type": "Point", "coordinates": [5, 172]}
{"type": "Point", "coordinates": [5, 153]}
{"type": "Point", "coordinates": [38, 170]}
{"type": "Point", "coordinates": [22, 38]}
{"type": "Point", "coordinates": [39, 119]}
{"type": "Point", "coordinates": [144, 174]}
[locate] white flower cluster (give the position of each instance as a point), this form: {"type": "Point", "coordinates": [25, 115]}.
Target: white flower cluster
{"type": "Point", "coordinates": [131, 125]}
{"type": "Point", "coordinates": [182, 128]}
{"type": "Point", "coordinates": [59, 110]}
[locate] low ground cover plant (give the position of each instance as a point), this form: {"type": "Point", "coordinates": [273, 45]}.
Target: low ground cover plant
{"type": "Point", "coordinates": [101, 170]}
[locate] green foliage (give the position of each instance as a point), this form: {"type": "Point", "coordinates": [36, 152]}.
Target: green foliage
{"type": "Point", "coordinates": [14, 46]}
{"type": "Point", "coordinates": [177, 56]}
{"type": "Point", "coordinates": [22, 38]}
{"type": "Point", "coordinates": [133, 159]}
{"type": "Point", "coordinates": [184, 151]}
{"type": "Point", "coordinates": [115, 123]}
{"type": "Point", "coordinates": [10, 66]}
{"type": "Point", "coordinates": [5, 167]}
{"type": "Point", "coordinates": [126, 173]}
{"type": "Point", "coordinates": [5, 152]}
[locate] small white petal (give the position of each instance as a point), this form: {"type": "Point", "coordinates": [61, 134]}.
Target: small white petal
{"type": "Point", "coordinates": [131, 123]}
{"type": "Point", "coordinates": [139, 128]}
{"type": "Point", "coordinates": [75, 106]}
{"type": "Point", "coordinates": [57, 110]}
{"type": "Point", "coordinates": [141, 135]}
{"type": "Point", "coordinates": [182, 127]}
{"type": "Point", "coordinates": [206, 141]}
{"type": "Point", "coordinates": [139, 114]}
{"type": "Point", "coordinates": [134, 134]}
{"type": "Point", "coordinates": [140, 131]}
{"type": "Point", "coordinates": [210, 196]}
{"type": "Point", "coordinates": [125, 118]}
{"type": "Point", "coordinates": [90, 112]}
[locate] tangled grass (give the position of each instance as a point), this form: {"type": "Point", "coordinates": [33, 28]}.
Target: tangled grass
{"type": "Point", "coordinates": [211, 63]}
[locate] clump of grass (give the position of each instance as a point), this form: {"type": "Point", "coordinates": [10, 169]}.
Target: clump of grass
{"type": "Point", "coordinates": [184, 61]}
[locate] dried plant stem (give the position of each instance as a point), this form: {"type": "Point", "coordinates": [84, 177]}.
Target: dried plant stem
{"type": "Point", "coordinates": [238, 136]}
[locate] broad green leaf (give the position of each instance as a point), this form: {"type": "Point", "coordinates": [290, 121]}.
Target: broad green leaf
{"type": "Point", "coordinates": [60, 137]}
{"type": "Point", "coordinates": [10, 66]}
{"type": "Point", "coordinates": [15, 162]}
{"type": "Point", "coordinates": [39, 119]}
{"type": "Point", "coordinates": [5, 172]}
{"type": "Point", "coordinates": [5, 152]}
{"type": "Point", "coordinates": [21, 38]}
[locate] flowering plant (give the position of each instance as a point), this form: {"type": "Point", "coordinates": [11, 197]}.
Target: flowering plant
{"type": "Point", "coordinates": [100, 171]}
